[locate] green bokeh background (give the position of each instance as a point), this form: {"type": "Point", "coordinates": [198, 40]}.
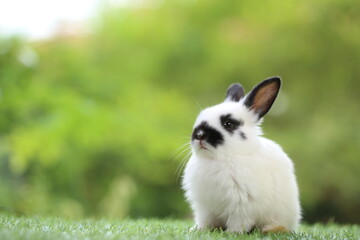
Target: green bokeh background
{"type": "Point", "coordinates": [91, 124]}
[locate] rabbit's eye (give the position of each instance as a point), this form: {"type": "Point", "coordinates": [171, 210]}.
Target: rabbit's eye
{"type": "Point", "coordinates": [229, 125]}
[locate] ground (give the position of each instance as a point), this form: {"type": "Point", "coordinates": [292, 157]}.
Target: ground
{"type": "Point", "coordinates": [39, 228]}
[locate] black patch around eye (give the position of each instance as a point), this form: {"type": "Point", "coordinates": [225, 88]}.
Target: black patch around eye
{"type": "Point", "coordinates": [230, 124]}
{"type": "Point", "coordinates": [212, 136]}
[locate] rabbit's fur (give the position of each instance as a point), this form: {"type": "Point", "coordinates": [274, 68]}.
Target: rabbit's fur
{"type": "Point", "coordinates": [236, 179]}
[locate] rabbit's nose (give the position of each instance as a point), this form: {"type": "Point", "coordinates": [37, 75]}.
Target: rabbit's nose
{"type": "Point", "coordinates": [200, 135]}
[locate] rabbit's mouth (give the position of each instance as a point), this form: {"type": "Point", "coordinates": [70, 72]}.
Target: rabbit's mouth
{"type": "Point", "coordinates": [202, 145]}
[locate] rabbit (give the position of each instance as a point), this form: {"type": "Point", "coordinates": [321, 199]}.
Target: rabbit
{"type": "Point", "coordinates": [236, 179]}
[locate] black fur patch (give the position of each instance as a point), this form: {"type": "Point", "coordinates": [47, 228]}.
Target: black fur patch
{"type": "Point", "coordinates": [211, 135]}
{"type": "Point", "coordinates": [230, 124]}
{"type": "Point", "coordinates": [242, 135]}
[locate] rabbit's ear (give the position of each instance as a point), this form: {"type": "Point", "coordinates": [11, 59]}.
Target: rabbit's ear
{"type": "Point", "coordinates": [263, 95]}
{"type": "Point", "coordinates": [235, 92]}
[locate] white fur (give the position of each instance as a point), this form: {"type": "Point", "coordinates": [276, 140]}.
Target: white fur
{"type": "Point", "coordinates": [243, 183]}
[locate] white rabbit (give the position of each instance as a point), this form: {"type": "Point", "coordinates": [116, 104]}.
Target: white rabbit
{"type": "Point", "coordinates": [236, 179]}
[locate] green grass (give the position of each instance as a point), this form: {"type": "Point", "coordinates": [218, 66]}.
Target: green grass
{"type": "Point", "coordinates": [39, 228]}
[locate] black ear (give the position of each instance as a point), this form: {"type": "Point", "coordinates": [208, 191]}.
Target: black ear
{"type": "Point", "coordinates": [235, 92]}
{"type": "Point", "coordinates": [263, 95]}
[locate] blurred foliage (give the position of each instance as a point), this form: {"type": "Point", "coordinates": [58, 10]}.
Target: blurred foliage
{"type": "Point", "coordinates": [88, 123]}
